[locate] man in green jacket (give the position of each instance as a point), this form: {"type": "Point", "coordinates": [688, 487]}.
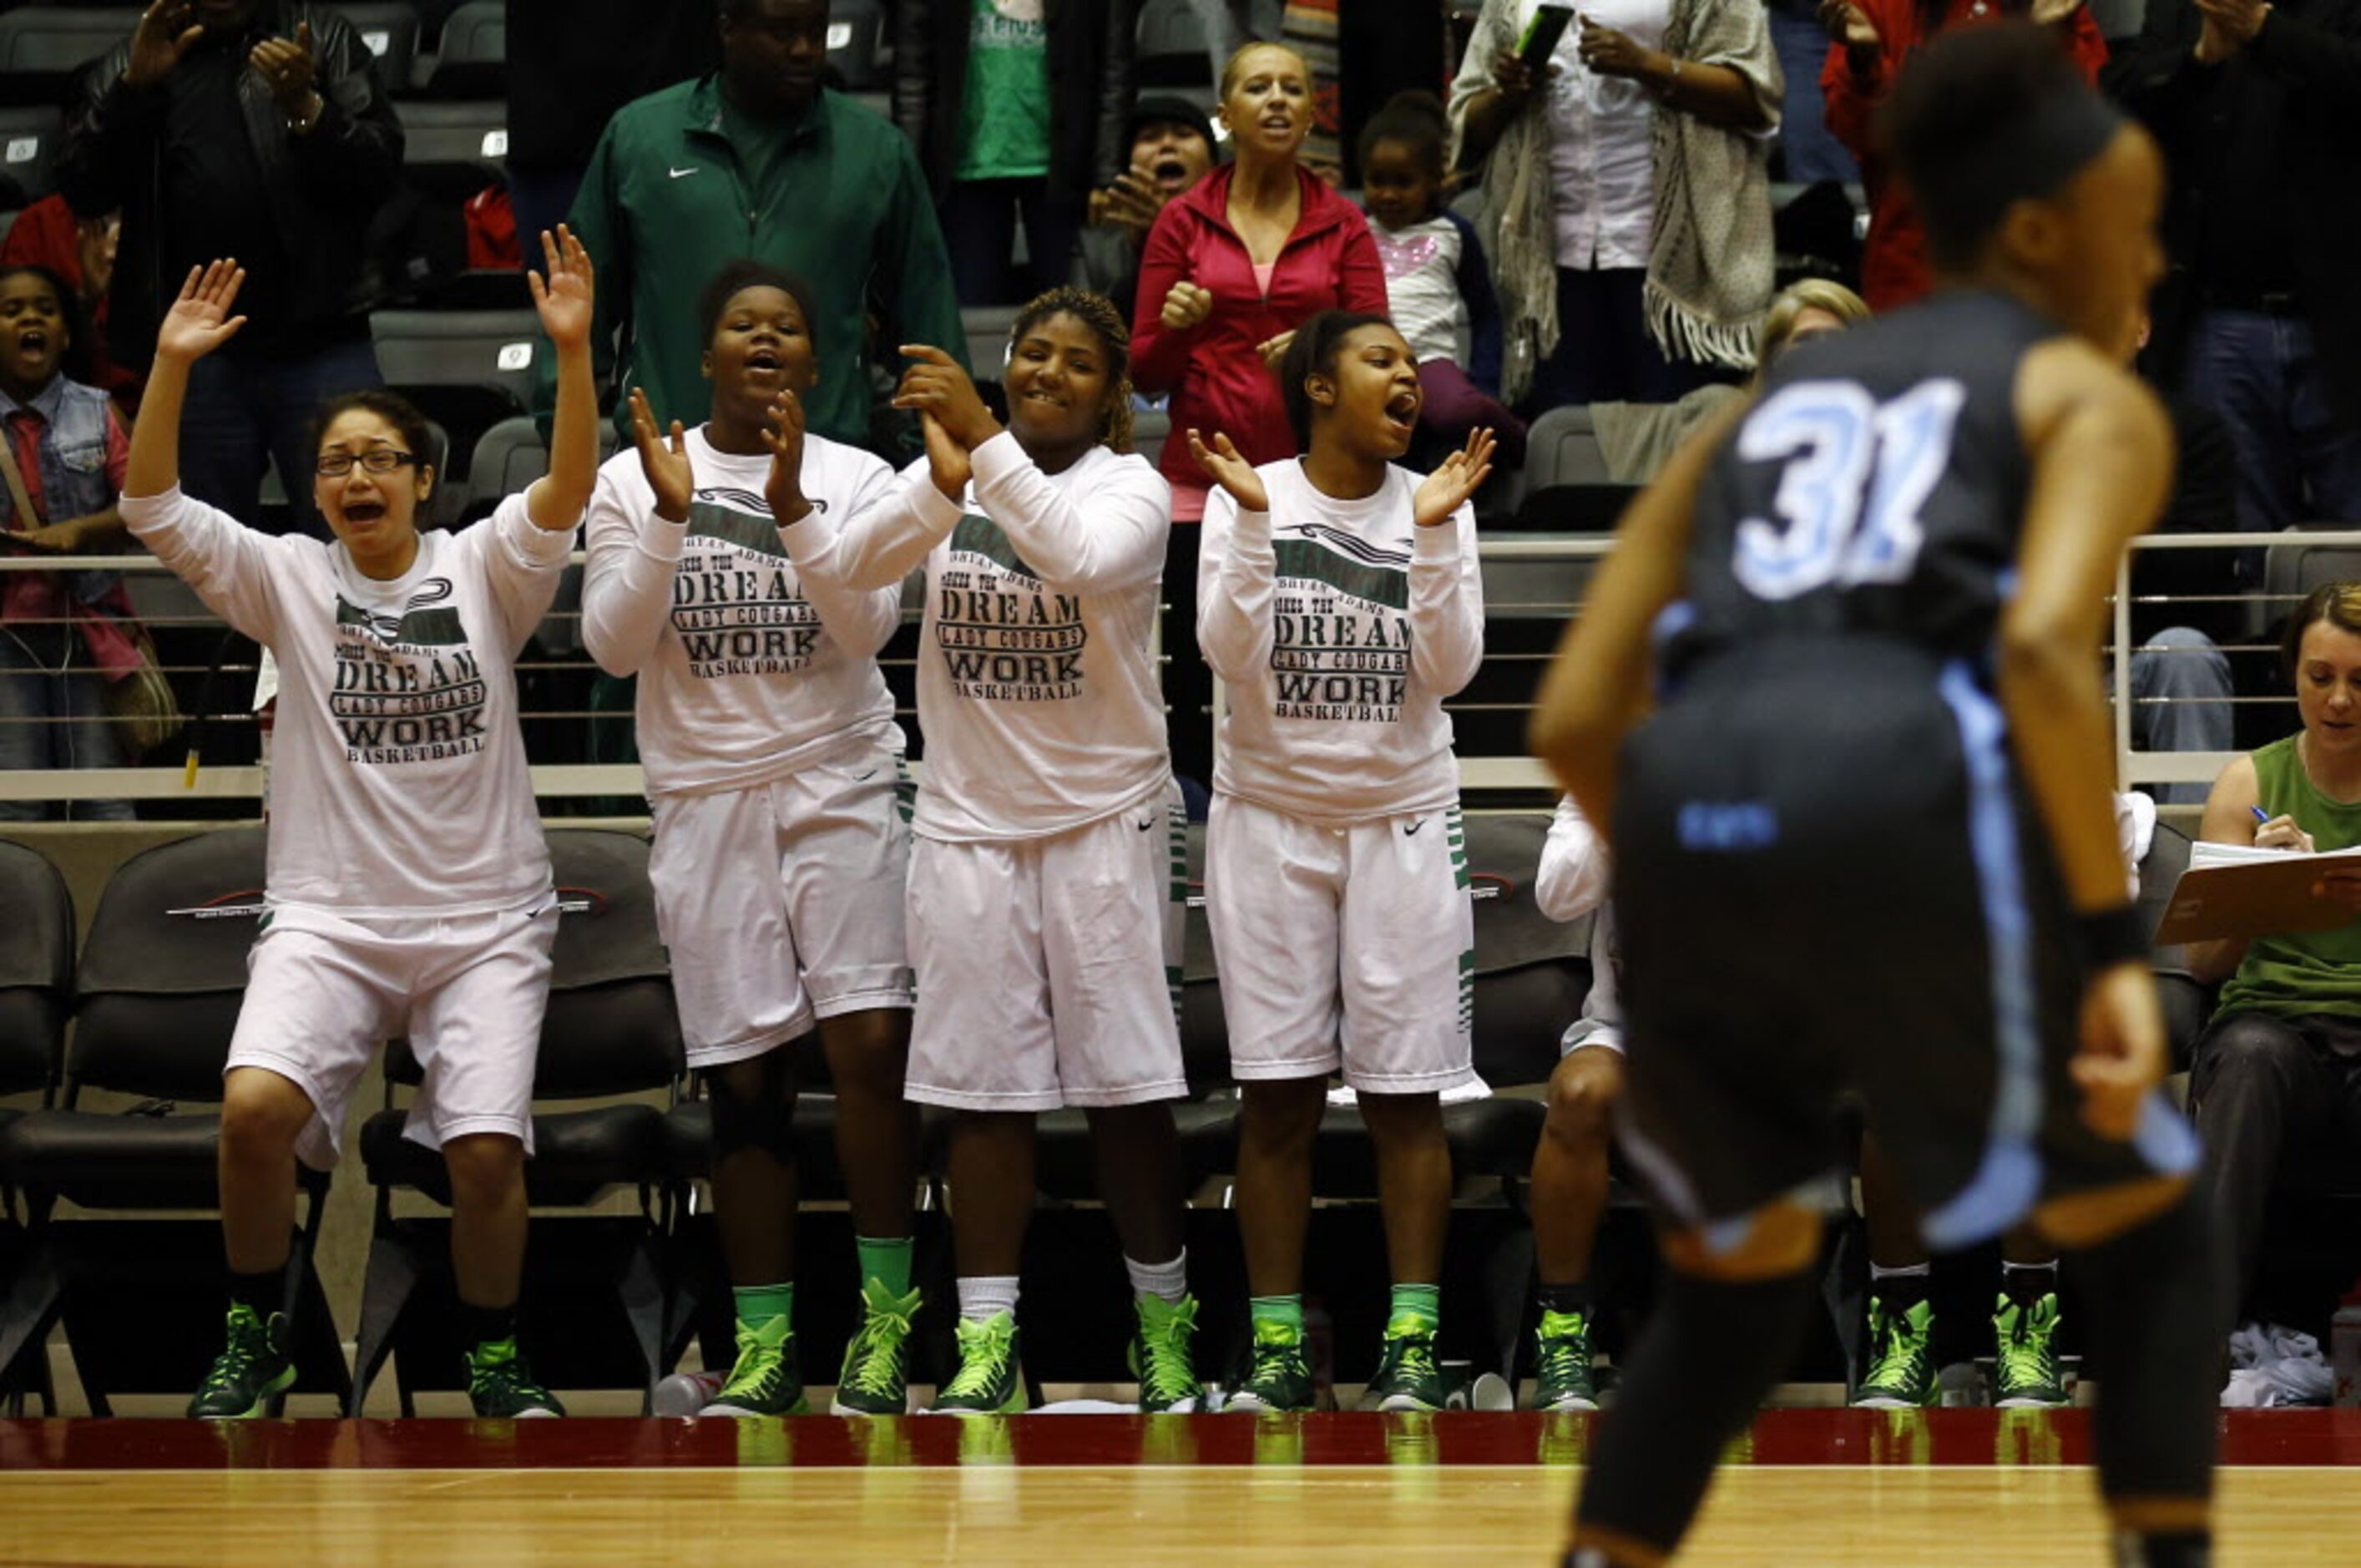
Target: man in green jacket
{"type": "Point", "coordinates": [758, 160]}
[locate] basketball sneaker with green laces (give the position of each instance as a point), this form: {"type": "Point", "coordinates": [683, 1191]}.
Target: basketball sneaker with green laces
{"type": "Point", "coordinates": [1407, 1377]}
{"type": "Point", "coordinates": [767, 1378]}
{"type": "Point", "coordinates": [252, 1369]}
{"type": "Point", "coordinates": [988, 1382]}
{"type": "Point", "coordinates": [877, 1376]}
{"type": "Point", "coordinates": [501, 1386]}
{"type": "Point", "coordinates": [1277, 1378]}
{"type": "Point", "coordinates": [1901, 1358]}
{"type": "Point", "coordinates": [1163, 1355]}
{"type": "Point", "coordinates": [1562, 1381]}
{"type": "Point", "coordinates": [2025, 1374]}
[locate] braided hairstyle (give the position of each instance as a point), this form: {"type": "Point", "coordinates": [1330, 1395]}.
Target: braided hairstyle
{"type": "Point", "coordinates": [1099, 316]}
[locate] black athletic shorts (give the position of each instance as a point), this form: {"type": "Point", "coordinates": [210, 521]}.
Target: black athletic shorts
{"type": "Point", "coordinates": [1830, 878]}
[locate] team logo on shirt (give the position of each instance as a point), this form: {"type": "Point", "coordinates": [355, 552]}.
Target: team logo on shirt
{"type": "Point", "coordinates": [1340, 628]}
{"type": "Point", "coordinates": [408, 687]}
{"type": "Point", "coordinates": [736, 602]}
{"type": "Point", "coordinates": [1005, 637]}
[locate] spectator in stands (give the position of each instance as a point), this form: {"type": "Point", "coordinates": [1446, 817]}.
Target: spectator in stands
{"type": "Point", "coordinates": [758, 159]}
{"type": "Point", "coordinates": [1172, 145]}
{"type": "Point", "coordinates": [1869, 40]}
{"type": "Point", "coordinates": [1627, 195]}
{"type": "Point", "coordinates": [1017, 108]}
{"type": "Point", "coordinates": [1808, 153]}
{"type": "Point", "coordinates": [774, 773]}
{"type": "Point", "coordinates": [408, 880]}
{"type": "Point", "coordinates": [81, 252]}
{"type": "Point", "coordinates": [1438, 289]}
{"type": "Point", "coordinates": [2254, 104]}
{"type": "Point", "coordinates": [1569, 1172]}
{"type": "Point", "coordinates": [257, 128]}
{"type": "Point", "coordinates": [1232, 269]}
{"type": "Point", "coordinates": [2276, 1081]}
{"type": "Point", "coordinates": [571, 64]}
{"type": "Point", "coordinates": [1806, 309]}
{"type": "Point", "coordinates": [64, 634]}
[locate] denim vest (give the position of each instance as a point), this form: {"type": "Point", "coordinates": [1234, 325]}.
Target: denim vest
{"type": "Point", "coordinates": [74, 467]}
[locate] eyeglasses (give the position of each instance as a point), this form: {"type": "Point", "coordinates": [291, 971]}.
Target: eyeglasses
{"type": "Point", "coordinates": [376, 460]}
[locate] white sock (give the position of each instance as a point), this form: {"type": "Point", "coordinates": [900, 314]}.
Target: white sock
{"type": "Point", "coordinates": [982, 1296]}
{"type": "Point", "coordinates": [1168, 1280]}
{"type": "Point", "coordinates": [1913, 1271]}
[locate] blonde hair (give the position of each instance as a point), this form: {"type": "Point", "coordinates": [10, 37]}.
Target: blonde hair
{"type": "Point", "coordinates": [1230, 71]}
{"type": "Point", "coordinates": [1809, 294]}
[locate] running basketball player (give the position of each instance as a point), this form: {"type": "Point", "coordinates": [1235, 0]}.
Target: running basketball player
{"type": "Point", "coordinates": [1866, 840]}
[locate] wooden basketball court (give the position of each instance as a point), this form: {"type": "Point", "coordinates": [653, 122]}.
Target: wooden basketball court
{"type": "Point", "coordinates": [1820, 1486]}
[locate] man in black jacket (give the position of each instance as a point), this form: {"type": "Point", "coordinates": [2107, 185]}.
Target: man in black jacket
{"type": "Point", "coordinates": [2254, 103]}
{"type": "Point", "coordinates": [1017, 107]}
{"type": "Point", "coordinates": [256, 130]}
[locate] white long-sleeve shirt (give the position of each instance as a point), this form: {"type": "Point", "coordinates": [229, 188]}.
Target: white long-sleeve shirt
{"type": "Point", "coordinates": [1037, 693]}
{"type": "Point", "coordinates": [399, 786]}
{"type": "Point", "coordinates": [747, 671]}
{"type": "Point", "coordinates": [1576, 873]}
{"type": "Point", "coordinates": [1340, 628]}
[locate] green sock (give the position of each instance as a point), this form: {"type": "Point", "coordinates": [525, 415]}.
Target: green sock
{"type": "Point", "coordinates": [1421, 1303]}
{"type": "Point", "coordinates": [1284, 1313]}
{"type": "Point", "coordinates": [886, 1260]}
{"type": "Point", "coordinates": [760, 1304]}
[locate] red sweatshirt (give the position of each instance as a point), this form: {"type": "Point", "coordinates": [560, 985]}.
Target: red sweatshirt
{"type": "Point", "coordinates": [1217, 379]}
{"type": "Point", "coordinates": [1893, 266]}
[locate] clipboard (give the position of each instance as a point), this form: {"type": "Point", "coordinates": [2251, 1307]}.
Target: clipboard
{"type": "Point", "coordinates": [2261, 897]}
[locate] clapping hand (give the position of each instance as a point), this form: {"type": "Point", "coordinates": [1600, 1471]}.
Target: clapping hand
{"type": "Point", "coordinates": [784, 436]}
{"type": "Point", "coordinates": [936, 386]}
{"type": "Point", "coordinates": [1848, 25]}
{"type": "Point", "coordinates": [2052, 13]}
{"type": "Point", "coordinates": [1224, 465]}
{"type": "Point", "coordinates": [1130, 203]}
{"type": "Point", "coordinates": [666, 467]}
{"type": "Point", "coordinates": [287, 66]}
{"type": "Point", "coordinates": [1447, 490]}
{"type": "Point", "coordinates": [199, 320]}
{"type": "Point", "coordinates": [1185, 306]}
{"type": "Point", "coordinates": [164, 34]}
{"type": "Point", "coordinates": [1274, 350]}
{"type": "Point", "coordinates": [565, 292]}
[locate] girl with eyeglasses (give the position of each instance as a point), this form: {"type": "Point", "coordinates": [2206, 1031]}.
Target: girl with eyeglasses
{"type": "Point", "coordinates": [409, 889]}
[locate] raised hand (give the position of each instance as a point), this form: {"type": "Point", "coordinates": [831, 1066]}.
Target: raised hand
{"type": "Point", "coordinates": [784, 436]}
{"type": "Point", "coordinates": [666, 466]}
{"type": "Point", "coordinates": [164, 34]}
{"type": "Point", "coordinates": [2050, 13]}
{"type": "Point", "coordinates": [1184, 306]}
{"type": "Point", "coordinates": [936, 385]}
{"type": "Point", "coordinates": [289, 68]}
{"type": "Point", "coordinates": [566, 292]}
{"type": "Point", "coordinates": [1274, 350]}
{"type": "Point", "coordinates": [1224, 465]}
{"type": "Point", "coordinates": [1848, 25]}
{"type": "Point", "coordinates": [948, 462]}
{"type": "Point", "coordinates": [199, 320]}
{"type": "Point", "coordinates": [1130, 203]}
{"type": "Point", "coordinates": [1447, 490]}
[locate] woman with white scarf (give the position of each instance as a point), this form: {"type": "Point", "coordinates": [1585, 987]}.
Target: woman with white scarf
{"type": "Point", "coordinates": [1627, 194]}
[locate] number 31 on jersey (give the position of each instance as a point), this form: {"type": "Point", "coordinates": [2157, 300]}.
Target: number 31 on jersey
{"type": "Point", "coordinates": [1857, 474]}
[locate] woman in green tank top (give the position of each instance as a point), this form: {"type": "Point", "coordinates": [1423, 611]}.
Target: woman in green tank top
{"type": "Point", "coordinates": [2277, 1083]}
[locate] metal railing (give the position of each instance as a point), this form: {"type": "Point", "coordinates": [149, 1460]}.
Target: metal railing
{"type": "Point", "coordinates": [1527, 577]}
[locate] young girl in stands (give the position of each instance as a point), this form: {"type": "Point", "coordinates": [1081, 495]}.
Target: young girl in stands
{"type": "Point", "coordinates": [1339, 598]}
{"type": "Point", "coordinates": [1047, 882]}
{"type": "Point", "coordinates": [1438, 290]}
{"type": "Point", "coordinates": [782, 840]}
{"type": "Point", "coordinates": [409, 884]}
{"type": "Point", "coordinates": [64, 635]}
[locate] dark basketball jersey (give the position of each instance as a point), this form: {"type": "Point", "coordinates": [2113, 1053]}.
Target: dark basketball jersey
{"type": "Point", "coordinates": [1877, 489]}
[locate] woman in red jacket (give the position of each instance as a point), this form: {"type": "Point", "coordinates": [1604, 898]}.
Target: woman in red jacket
{"type": "Point", "coordinates": [1231, 268]}
{"type": "Point", "coordinates": [1872, 40]}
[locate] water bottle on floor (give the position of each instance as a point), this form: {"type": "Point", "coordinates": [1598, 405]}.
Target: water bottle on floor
{"type": "Point", "coordinates": [686, 1393]}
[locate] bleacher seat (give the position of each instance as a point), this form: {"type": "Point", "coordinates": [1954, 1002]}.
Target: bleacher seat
{"type": "Point", "coordinates": [1150, 428]}
{"type": "Point", "coordinates": [29, 139]}
{"type": "Point", "coordinates": [856, 43]}
{"type": "Point", "coordinates": [1172, 44]}
{"type": "Point", "coordinates": [610, 1031]}
{"type": "Point", "coordinates": [36, 994]}
{"type": "Point", "coordinates": [389, 29]}
{"type": "Point", "coordinates": [466, 369]}
{"type": "Point", "coordinates": [1562, 448]}
{"type": "Point", "coordinates": [43, 49]}
{"type": "Point", "coordinates": [472, 60]}
{"type": "Point", "coordinates": [987, 328]}
{"type": "Point", "coordinates": [2294, 565]}
{"type": "Point", "coordinates": [453, 148]}
{"type": "Point", "coordinates": [156, 1000]}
